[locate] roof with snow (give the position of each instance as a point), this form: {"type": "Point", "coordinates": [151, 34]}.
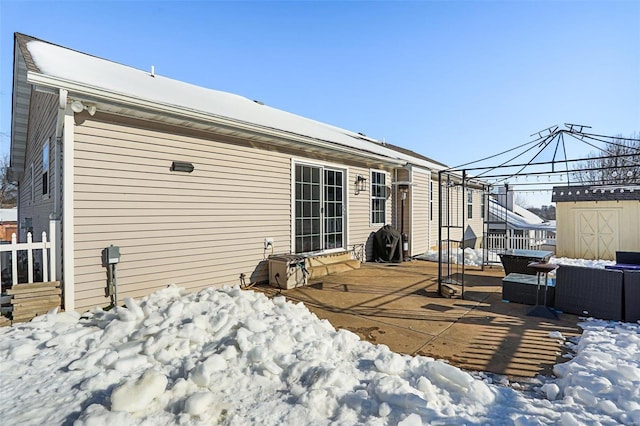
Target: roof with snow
{"type": "Point", "coordinates": [8, 215]}
{"type": "Point", "coordinates": [519, 218]}
{"type": "Point", "coordinates": [121, 89]}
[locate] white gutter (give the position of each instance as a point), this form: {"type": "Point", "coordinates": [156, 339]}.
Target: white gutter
{"type": "Point", "coordinates": [123, 99]}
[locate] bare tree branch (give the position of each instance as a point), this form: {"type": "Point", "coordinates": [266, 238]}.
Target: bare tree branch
{"type": "Point", "coordinates": [8, 189]}
{"type": "Point", "coordinates": [620, 166]}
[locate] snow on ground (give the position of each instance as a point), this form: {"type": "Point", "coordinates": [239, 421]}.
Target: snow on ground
{"type": "Point", "coordinates": [235, 357]}
{"type": "Point", "coordinates": [473, 257]}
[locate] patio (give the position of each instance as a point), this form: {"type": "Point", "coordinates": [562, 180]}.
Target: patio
{"type": "Point", "coordinates": [398, 305]}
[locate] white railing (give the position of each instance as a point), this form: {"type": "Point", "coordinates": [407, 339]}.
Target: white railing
{"type": "Point", "coordinates": [507, 241]}
{"type": "Point", "coordinates": [23, 253]}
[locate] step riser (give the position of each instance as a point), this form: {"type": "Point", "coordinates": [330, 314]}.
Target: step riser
{"type": "Point", "coordinates": [333, 268]}
{"type": "Point", "coordinates": [328, 259]}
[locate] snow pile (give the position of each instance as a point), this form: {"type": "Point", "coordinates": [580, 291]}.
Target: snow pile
{"type": "Point", "coordinates": [604, 376]}
{"type": "Point", "coordinates": [473, 257]}
{"type": "Point", "coordinates": [236, 357]}
{"type": "Point", "coordinates": [581, 262]}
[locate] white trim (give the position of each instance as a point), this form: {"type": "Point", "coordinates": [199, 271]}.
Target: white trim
{"type": "Point", "coordinates": [430, 190]}
{"type": "Point", "coordinates": [292, 188]}
{"type": "Point", "coordinates": [67, 211]}
{"type": "Point", "coordinates": [78, 90]}
{"type": "Point", "coordinates": [386, 198]}
{"type": "Point", "coordinates": [345, 206]}
{"type": "Point", "coordinates": [411, 210]}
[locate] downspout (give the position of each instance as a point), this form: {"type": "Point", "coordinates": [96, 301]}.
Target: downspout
{"type": "Point", "coordinates": [411, 210]}
{"type": "Point", "coordinates": [55, 215]}
{"type": "Point", "coordinates": [67, 209]}
{"type": "Point", "coordinates": [56, 149]}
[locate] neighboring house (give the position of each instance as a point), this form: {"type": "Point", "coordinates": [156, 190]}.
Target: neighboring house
{"type": "Point", "coordinates": [596, 221]}
{"type": "Point", "coordinates": [8, 223]}
{"type": "Point", "coordinates": [527, 229]}
{"type": "Point", "coordinates": [190, 182]}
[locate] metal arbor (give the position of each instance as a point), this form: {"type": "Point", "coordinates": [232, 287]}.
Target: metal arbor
{"type": "Point", "coordinates": [555, 156]}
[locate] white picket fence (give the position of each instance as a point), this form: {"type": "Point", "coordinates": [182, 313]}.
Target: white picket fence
{"type": "Point", "coordinates": [29, 252]}
{"type": "Point", "coordinates": [535, 241]}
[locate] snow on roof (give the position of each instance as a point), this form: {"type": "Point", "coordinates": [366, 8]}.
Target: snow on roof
{"type": "Point", "coordinates": [530, 217]}
{"type": "Point", "coordinates": [8, 215]}
{"type": "Point", "coordinates": [520, 218]}
{"type": "Point", "coordinates": [72, 66]}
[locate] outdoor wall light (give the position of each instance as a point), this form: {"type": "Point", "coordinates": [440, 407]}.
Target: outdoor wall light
{"type": "Point", "coordinates": [78, 107]}
{"type": "Point", "coordinates": [181, 166]}
{"type": "Point", "coordinates": [361, 184]}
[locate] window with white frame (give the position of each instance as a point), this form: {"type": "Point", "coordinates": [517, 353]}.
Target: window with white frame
{"type": "Point", "coordinates": [482, 204]}
{"type": "Point", "coordinates": [469, 204]}
{"type": "Point", "coordinates": [45, 168]}
{"type": "Point", "coordinates": [378, 197]}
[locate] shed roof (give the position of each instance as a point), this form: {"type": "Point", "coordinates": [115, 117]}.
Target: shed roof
{"type": "Point", "coordinates": [83, 75]}
{"type": "Point", "coordinates": [595, 193]}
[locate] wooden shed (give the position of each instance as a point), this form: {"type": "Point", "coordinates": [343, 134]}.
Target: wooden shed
{"type": "Point", "coordinates": [593, 222]}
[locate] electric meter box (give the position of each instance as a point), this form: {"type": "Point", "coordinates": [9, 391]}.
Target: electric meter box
{"type": "Point", "coordinates": [110, 255]}
{"type": "Point", "coordinates": [287, 271]}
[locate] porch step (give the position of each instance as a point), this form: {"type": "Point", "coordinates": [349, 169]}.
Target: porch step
{"type": "Point", "coordinates": [291, 271]}
{"type": "Point", "coordinates": [328, 264]}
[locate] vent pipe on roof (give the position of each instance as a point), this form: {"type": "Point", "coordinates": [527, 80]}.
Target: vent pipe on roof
{"type": "Point", "coordinates": [153, 71]}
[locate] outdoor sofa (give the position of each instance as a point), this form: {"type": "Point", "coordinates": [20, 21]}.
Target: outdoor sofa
{"type": "Point", "coordinates": [594, 292]}
{"type": "Point", "coordinates": [609, 293]}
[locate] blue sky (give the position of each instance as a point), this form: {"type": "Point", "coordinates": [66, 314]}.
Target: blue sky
{"type": "Point", "coordinates": [452, 80]}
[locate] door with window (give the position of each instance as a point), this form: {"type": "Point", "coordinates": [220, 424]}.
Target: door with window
{"type": "Point", "coordinates": [319, 208]}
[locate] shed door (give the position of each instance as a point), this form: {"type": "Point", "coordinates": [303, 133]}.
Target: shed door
{"type": "Point", "coordinates": [597, 236]}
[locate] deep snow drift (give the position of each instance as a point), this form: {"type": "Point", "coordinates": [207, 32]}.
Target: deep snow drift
{"type": "Point", "coordinates": [236, 357]}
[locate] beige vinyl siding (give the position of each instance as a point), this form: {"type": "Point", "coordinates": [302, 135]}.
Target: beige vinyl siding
{"type": "Point", "coordinates": [454, 215]}
{"type": "Point", "coordinates": [359, 209]}
{"type": "Point", "coordinates": [42, 126]}
{"type": "Point", "coordinates": [477, 222]}
{"type": "Point", "coordinates": [435, 224]}
{"type": "Point", "coordinates": [194, 230]}
{"type": "Point", "coordinates": [420, 224]}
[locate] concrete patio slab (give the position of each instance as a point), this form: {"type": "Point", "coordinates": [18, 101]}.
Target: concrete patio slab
{"type": "Point", "coordinates": [398, 305]}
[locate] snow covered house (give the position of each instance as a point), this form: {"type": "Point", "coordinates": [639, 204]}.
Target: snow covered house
{"type": "Point", "coordinates": [195, 186]}
{"type": "Point", "coordinates": [595, 221]}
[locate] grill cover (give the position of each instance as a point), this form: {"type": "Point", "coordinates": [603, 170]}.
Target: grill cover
{"type": "Point", "coordinates": [387, 245]}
